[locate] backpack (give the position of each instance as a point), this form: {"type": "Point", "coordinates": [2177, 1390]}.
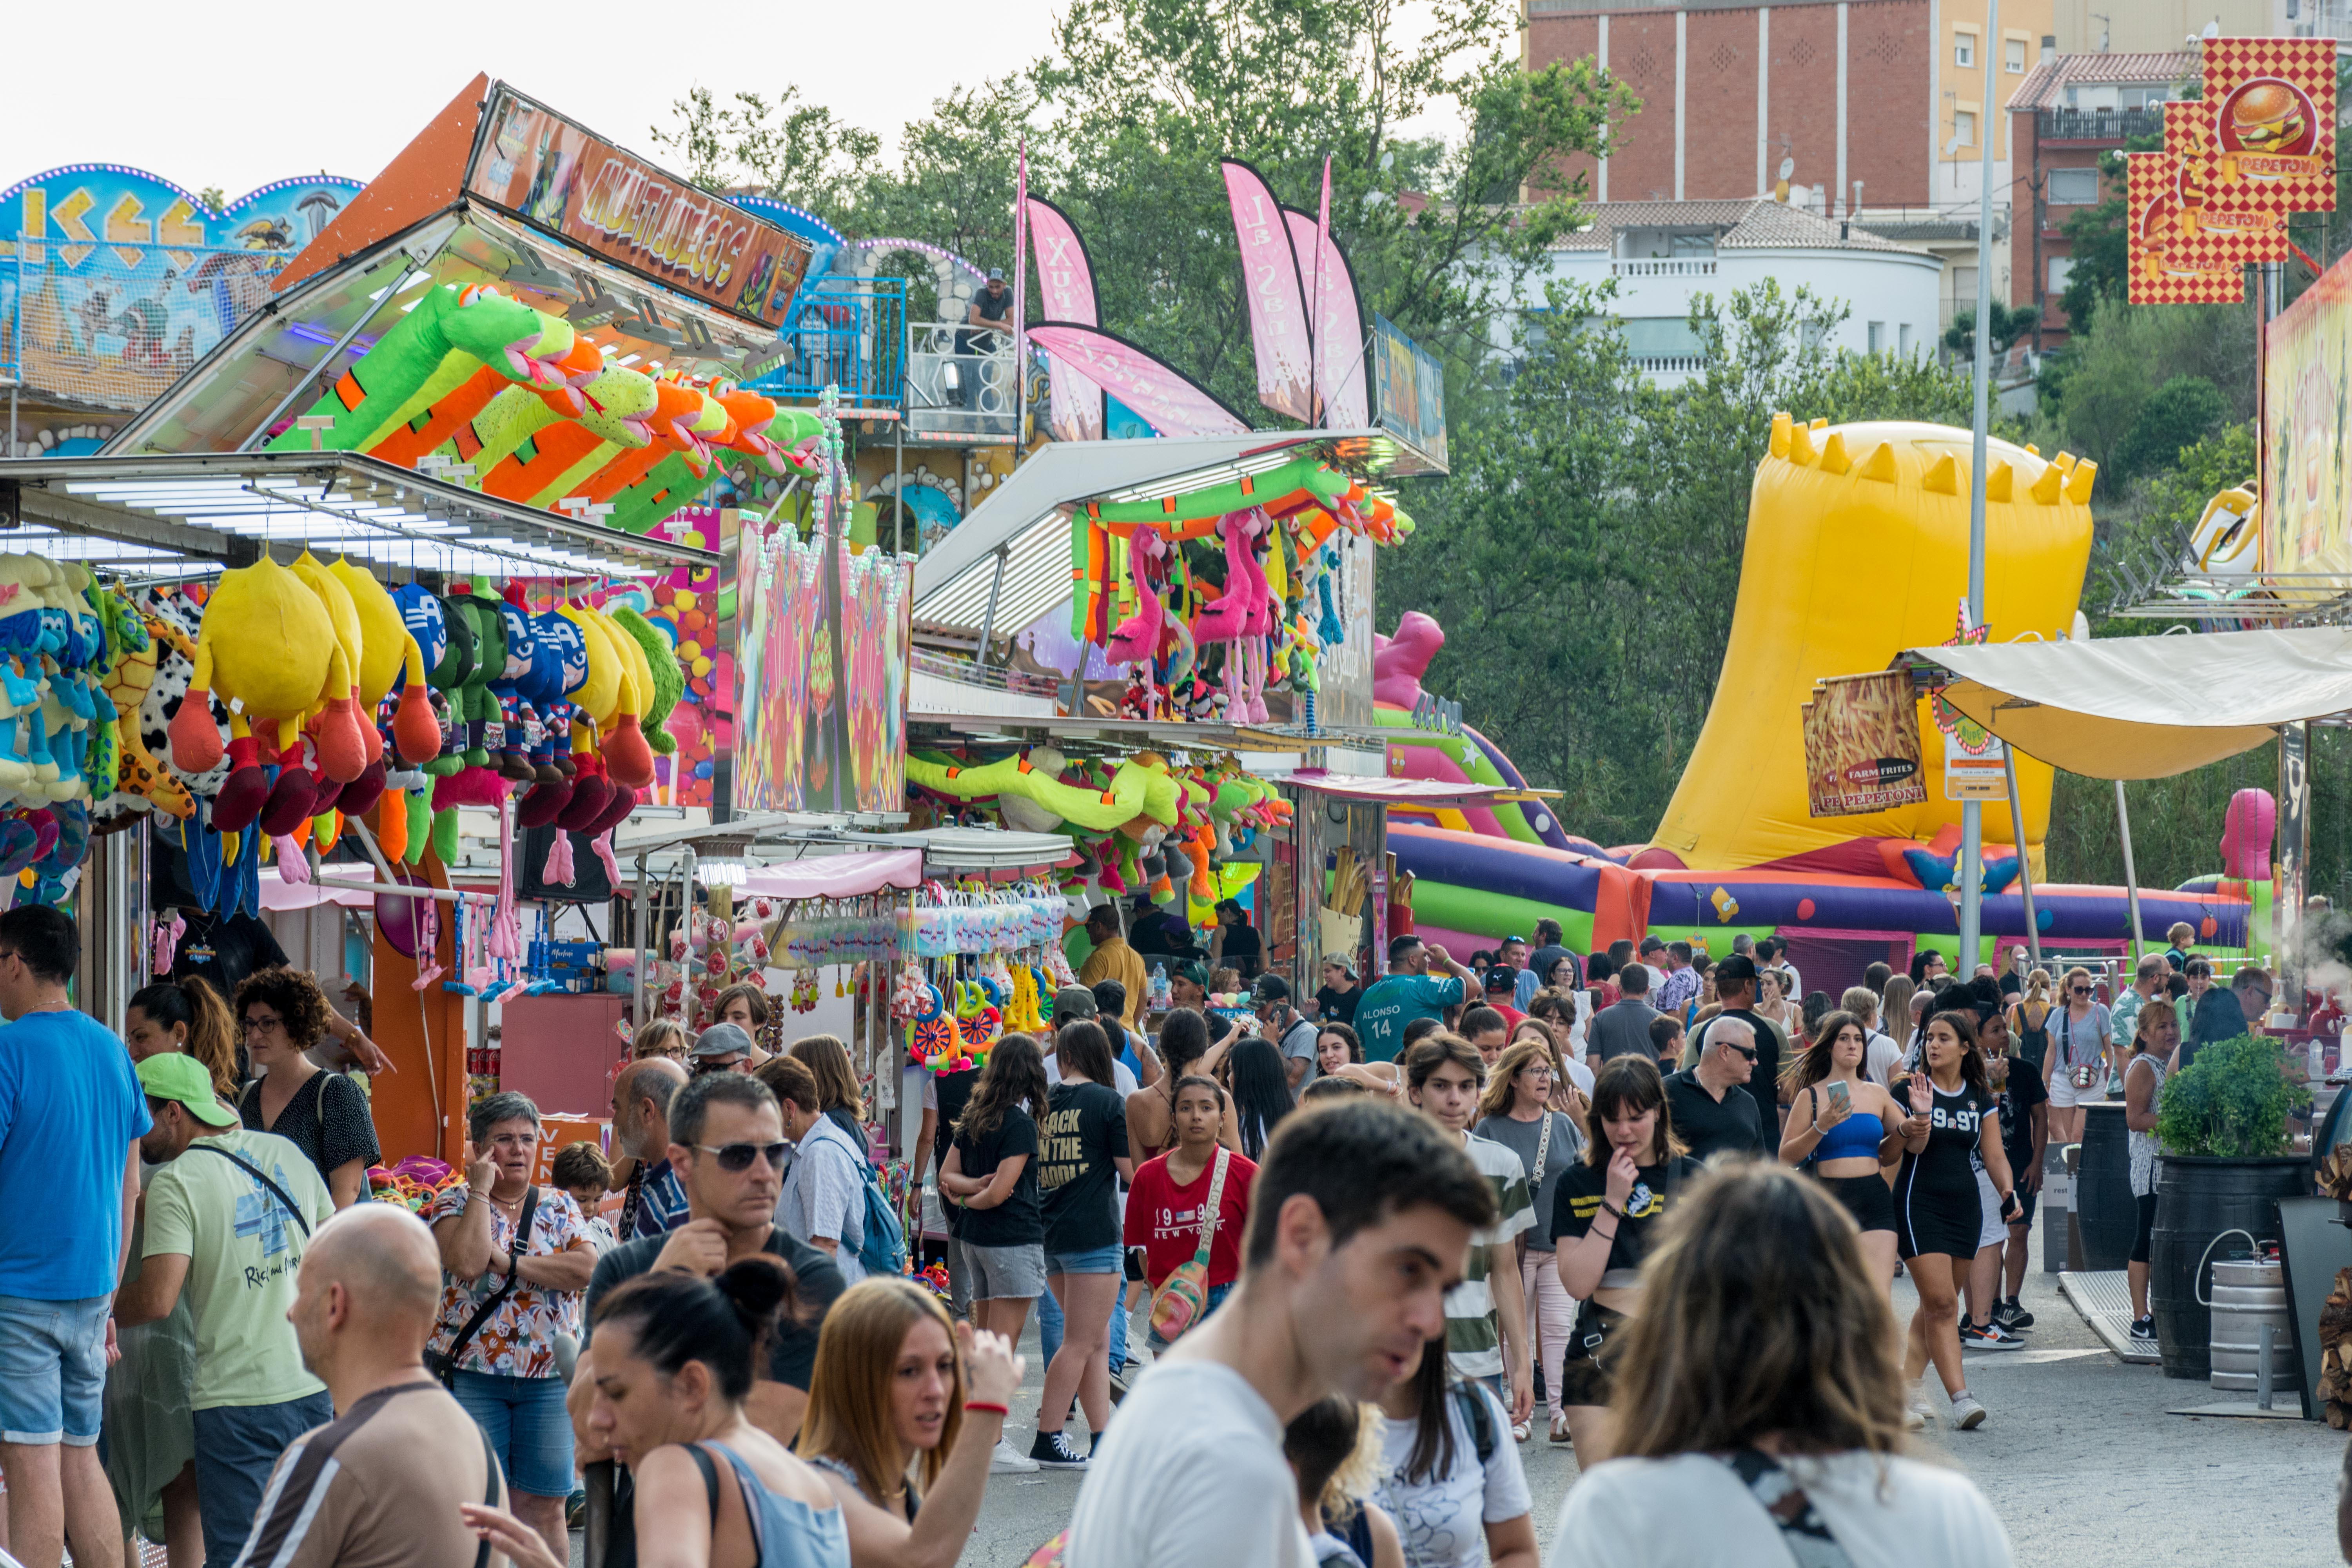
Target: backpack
{"type": "Point", "coordinates": [1481, 1426]}
{"type": "Point", "coordinates": [882, 1249]}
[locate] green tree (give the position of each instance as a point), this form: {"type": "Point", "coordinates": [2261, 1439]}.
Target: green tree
{"type": "Point", "coordinates": [796, 152]}
{"type": "Point", "coordinates": [2007, 326]}
{"type": "Point", "coordinates": [2182, 411]}
{"type": "Point", "coordinates": [2094, 237]}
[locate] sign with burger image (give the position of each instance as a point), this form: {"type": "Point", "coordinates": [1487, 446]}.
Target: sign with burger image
{"type": "Point", "coordinates": [2165, 259]}
{"type": "Point", "coordinates": [2210, 237]}
{"type": "Point", "coordinates": [2272, 104]}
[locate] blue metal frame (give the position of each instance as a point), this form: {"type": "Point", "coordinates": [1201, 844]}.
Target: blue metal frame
{"type": "Point", "coordinates": [846, 332]}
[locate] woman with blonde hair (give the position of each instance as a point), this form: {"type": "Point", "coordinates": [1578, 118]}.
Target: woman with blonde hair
{"type": "Point", "coordinates": [905, 1408]}
{"type": "Point", "coordinates": [1774, 1003]}
{"type": "Point", "coordinates": [1516, 1111]}
{"type": "Point", "coordinates": [188, 1016]}
{"type": "Point", "coordinates": [1894, 1020]}
{"type": "Point", "coordinates": [2076, 1069]}
{"type": "Point", "coordinates": [1758, 1415]}
{"type": "Point", "coordinates": [2029, 1018]}
{"type": "Point", "coordinates": [827, 1059]}
{"type": "Point", "coordinates": [659, 1037]}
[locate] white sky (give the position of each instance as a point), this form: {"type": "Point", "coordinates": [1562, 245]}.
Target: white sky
{"type": "Point", "coordinates": [235, 93]}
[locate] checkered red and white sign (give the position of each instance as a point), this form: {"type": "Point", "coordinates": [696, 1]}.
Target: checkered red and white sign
{"type": "Point", "coordinates": [2270, 117]}
{"type": "Point", "coordinates": [2162, 263]}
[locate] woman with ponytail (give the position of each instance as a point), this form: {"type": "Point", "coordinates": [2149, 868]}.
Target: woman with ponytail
{"type": "Point", "coordinates": [675, 1354]}
{"type": "Point", "coordinates": [188, 1016]}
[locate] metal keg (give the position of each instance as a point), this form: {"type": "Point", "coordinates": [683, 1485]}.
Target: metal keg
{"type": "Point", "coordinates": [2248, 1294]}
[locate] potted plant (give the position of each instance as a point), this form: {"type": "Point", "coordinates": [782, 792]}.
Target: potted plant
{"type": "Point", "coordinates": [2226, 1160]}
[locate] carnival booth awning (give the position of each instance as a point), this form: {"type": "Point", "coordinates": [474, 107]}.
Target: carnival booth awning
{"type": "Point", "coordinates": [1009, 562]}
{"type": "Point", "coordinates": [2145, 708]}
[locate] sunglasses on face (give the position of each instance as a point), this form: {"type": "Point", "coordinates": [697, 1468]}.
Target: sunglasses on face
{"type": "Point", "coordinates": [1748, 1051]}
{"type": "Point", "coordinates": [738, 1157]}
{"type": "Point", "coordinates": [715, 1064]}
{"type": "Point", "coordinates": [2082, 990]}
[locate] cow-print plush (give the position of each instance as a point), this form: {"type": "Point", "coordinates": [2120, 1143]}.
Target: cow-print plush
{"type": "Point", "coordinates": [173, 670]}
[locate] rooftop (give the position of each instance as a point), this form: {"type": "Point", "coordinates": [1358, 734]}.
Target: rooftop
{"type": "Point", "coordinates": [2045, 85]}
{"type": "Point", "coordinates": [1749, 223]}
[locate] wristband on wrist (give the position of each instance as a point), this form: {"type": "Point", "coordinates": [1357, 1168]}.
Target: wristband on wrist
{"type": "Point", "coordinates": [987, 1404]}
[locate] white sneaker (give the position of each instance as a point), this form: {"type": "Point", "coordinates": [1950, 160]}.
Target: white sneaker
{"type": "Point", "coordinates": [1915, 1419]}
{"type": "Point", "coordinates": [1966, 1413]}
{"type": "Point", "coordinates": [1009, 1460]}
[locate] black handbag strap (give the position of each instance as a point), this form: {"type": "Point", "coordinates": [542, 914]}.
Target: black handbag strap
{"type": "Point", "coordinates": [260, 1175]}
{"type": "Point", "coordinates": [1802, 1529]}
{"type": "Point", "coordinates": [490, 1302]}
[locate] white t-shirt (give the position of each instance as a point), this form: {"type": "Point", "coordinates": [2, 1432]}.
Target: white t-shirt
{"type": "Point", "coordinates": [1443, 1519]}
{"type": "Point", "coordinates": [1122, 1076]}
{"type": "Point", "coordinates": [1879, 1057]}
{"type": "Point", "coordinates": [1692, 1511]}
{"type": "Point", "coordinates": [1581, 1075]}
{"type": "Point", "coordinates": [1191, 1476]}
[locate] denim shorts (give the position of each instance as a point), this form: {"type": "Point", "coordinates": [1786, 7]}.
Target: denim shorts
{"type": "Point", "coordinates": [237, 1447]}
{"type": "Point", "coordinates": [52, 1370]}
{"type": "Point", "coordinates": [1005, 1273]}
{"type": "Point", "coordinates": [1111, 1259]}
{"type": "Point", "coordinates": [525, 1420]}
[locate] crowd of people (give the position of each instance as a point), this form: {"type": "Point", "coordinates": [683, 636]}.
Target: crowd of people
{"type": "Point", "coordinates": [1303, 1278]}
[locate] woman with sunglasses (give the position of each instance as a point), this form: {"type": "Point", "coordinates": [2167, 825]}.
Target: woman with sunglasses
{"type": "Point", "coordinates": [675, 1354]}
{"type": "Point", "coordinates": [283, 1013]}
{"type": "Point", "coordinates": [2077, 1067]}
{"type": "Point", "coordinates": [1952, 1132]}
{"type": "Point", "coordinates": [526, 1254]}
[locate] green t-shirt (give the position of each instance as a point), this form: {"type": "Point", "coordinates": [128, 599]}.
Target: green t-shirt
{"type": "Point", "coordinates": [1389, 1004]}
{"type": "Point", "coordinates": [243, 1250]}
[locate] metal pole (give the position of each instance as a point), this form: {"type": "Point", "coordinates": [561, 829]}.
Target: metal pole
{"type": "Point", "coordinates": [1972, 811]}
{"type": "Point", "coordinates": [2131, 877]}
{"type": "Point", "coordinates": [2024, 865]}
{"type": "Point", "coordinates": [646, 902]}
{"type": "Point", "coordinates": [2294, 862]}
{"type": "Point", "coordinates": [899, 483]}
{"type": "Point", "coordinates": [988, 618]}
{"type": "Point", "coordinates": [331, 356]}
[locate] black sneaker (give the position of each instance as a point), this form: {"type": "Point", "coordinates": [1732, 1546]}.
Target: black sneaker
{"type": "Point", "coordinates": [1989, 1337]}
{"type": "Point", "coordinates": [1052, 1452]}
{"type": "Point", "coordinates": [1119, 1380]}
{"type": "Point", "coordinates": [2143, 1330]}
{"type": "Point", "coordinates": [2011, 1316]}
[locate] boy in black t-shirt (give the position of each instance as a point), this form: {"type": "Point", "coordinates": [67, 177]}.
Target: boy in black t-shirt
{"type": "Point", "coordinates": [2023, 1101]}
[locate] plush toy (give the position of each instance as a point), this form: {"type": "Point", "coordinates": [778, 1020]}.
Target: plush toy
{"type": "Point", "coordinates": [565, 451]}
{"type": "Point", "coordinates": [269, 646]}
{"type": "Point", "coordinates": [376, 395]}
{"type": "Point", "coordinates": [669, 677]}
{"type": "Point", "coordinates": [390, 660]}
{"type": "Point", "coordinates": [437, 411]}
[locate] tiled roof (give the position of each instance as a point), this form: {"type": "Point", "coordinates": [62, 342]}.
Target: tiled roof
{"type": "Point", "coordinates": [1751, 223]}
{"type": "Point", "coordinates": [2044, 86]}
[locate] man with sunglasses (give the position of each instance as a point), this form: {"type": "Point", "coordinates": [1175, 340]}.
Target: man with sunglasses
{"type": "Point", "coordinates": [722, 1047]}
{"type": "Point", "coordinates": [1735, 987]}
{"type": "Point", "coordinates": [1712, 1112]}
{"type": "Point", "coordinates": [726, 1145]}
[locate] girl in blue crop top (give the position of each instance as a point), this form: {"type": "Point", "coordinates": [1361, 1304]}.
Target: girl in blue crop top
{"type": "Point", "coordinates": [1843, 1127]}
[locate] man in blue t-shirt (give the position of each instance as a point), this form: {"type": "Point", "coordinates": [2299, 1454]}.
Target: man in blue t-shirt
{"type": "Point", "coordinates": [1408, 991]}
{"type": "Point", "coordinates": [71, 1115]}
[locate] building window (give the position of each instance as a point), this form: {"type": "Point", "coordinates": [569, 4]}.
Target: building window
{"type": "Point", "coordinates": [2073, 187]}
{"type": "Point", "coordinates": [1964, 287]}
{"type": "Point", "coordinates": [1878, 337]}
{"type": "Point", "coordinates": [1903, 340]}
{"type": "Point", "coordinates": [2013, 55]}
{"type": "Point", "coordinates": [1963, 127]}
{"type": "Point", "coordinates": [1964, 50]}
{"type": "Point", "coordinates": [2061, 268]}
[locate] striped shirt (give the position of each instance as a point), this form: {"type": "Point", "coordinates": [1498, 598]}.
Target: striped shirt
{"type": "Point", "coordinates": [1472, 1342]}
{"type": "Point", "coordinates": [660, 1202]}
{"type": "Point", "coordinates": [378, 1487]}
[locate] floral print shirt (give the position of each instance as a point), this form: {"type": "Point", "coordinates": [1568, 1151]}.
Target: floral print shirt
{"type": "Point", "coordinates": [519, 1339]}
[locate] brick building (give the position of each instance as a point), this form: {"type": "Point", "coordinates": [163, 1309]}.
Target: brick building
{"type": "Point", "coordinates": [1873, 106]}
{"type": "Point", "coordinates": [2069, 111]}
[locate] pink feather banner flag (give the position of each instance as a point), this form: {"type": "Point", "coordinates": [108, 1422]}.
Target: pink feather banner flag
{"type": "Point", "coordinates": [1065, 292]}
{"type": "Point", "coordinates": [1339, 327]}
{"type": "Point", "coordinates": [1164, 398]}
{"type": "Point", "coordinates": [1278, 319]}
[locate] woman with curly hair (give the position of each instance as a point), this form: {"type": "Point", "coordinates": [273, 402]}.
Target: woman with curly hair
{"type": "Point", "coordinates": [283, 1014]}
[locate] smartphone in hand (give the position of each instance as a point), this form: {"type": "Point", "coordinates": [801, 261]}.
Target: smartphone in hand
{"type": "Point", "coordinates": [1841, 1096]}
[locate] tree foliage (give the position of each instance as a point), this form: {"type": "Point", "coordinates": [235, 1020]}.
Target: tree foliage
{"type": "Point", "coordinates": [796, 152]}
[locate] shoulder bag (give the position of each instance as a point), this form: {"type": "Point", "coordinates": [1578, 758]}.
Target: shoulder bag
{"type": "Point", "coordinates": [1535, 1181]}
{"type": "Point", "coordinates": [1177, 1304]}
{"type": "Point", "coordinates": [1802, 1529]}
{"type": "Point", "coordinates": [444, 1364]}
{"type": "Point", "coordinates": [258, 1174]}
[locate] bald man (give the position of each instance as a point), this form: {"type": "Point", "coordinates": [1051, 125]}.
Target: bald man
{"type": "Point", "coordinates": [380, 1486]}
{"type": "Point", "coordinates": [641, 1095]}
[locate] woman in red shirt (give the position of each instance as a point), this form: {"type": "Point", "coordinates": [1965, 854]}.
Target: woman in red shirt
{"type": "Point", "coordinates": [1165, 1203]}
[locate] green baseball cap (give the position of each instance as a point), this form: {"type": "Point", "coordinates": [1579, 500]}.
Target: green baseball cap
{"type": "Point", "coordinates": [181, 1078]}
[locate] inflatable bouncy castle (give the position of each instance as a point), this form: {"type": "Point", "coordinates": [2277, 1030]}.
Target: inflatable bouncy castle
{"type": "Point", "coordinates": [1857, 548]}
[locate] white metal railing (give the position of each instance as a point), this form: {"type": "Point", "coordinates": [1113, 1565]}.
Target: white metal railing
{"type": "Point", "coordinates": [960, 380]}
{"type": "Point", "coordinates": [1686, 268]}
{"type": "Point", "coordinates": [1669, 364]}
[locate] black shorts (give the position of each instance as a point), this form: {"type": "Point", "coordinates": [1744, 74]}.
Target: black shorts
{"type": "Point", "coordinates": [2146, 1232]}
{"type": "Point", "coordinates": [1867, 1198]}
{"type": "Point", "coordinates": [2025, 1202]}
{"type": "Point", "coordinates": [1930, 1220]}
{"type": "Point", "coordinates": [1593, 1346]}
